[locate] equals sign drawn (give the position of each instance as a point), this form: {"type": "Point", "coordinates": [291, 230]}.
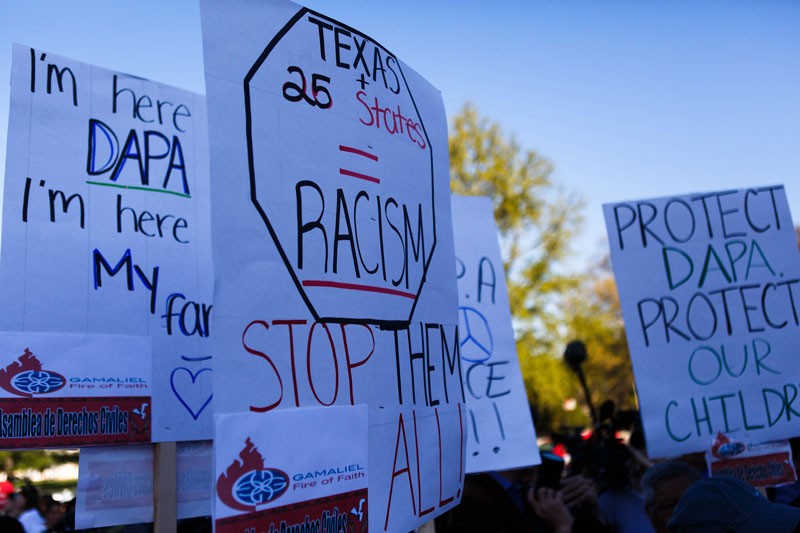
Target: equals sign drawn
{"type": "Point", "coordinates": [359, 175]}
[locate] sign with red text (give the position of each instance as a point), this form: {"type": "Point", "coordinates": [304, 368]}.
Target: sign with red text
{"type": "Point", "coordinates": [709, 285]}
{"type": "Point", "coordinates": [115, 484]}
{"type": "Point", "coordinates": [73, 390]}
{"type": "Point", "coordinates": [761, 465]}
{"type": "Point", "coordinates": [352, 213]}
{"type": "Point", "coordinates": [500, 434]}
{"type": "Point", "coordinates": [333, 246]}
{"type": "Point", "coordinates": [106, 224]}
{"type": "Point", "coordinates": [262, 482]}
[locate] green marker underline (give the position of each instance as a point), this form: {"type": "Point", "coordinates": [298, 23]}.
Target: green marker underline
{"type": "Point", "coordinates": [118, 186]}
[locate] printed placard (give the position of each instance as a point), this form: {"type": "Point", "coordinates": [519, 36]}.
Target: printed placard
{"type": "Point", "coordinates": [106, 225]}
{"type": "Point", "coordinates": [709, 285]}
{"type": "Point", "coordinates": [263, 483]}
{"type": "Point", "coordinates": [500, 429]}
{"type": "Point", "coordinates": [115, 484]}
{"type": "Point", "coordinates": [761, 465]}
{"type": "Point", "coordinates": [74, 390]}
{"type": "Point", "coordinates": [333, 246]}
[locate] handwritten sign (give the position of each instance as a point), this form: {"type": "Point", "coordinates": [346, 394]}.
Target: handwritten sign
{"type": "Point", "coordinates": [73, 390]}
{"type": "Point", "coordinates": [333, 244]}
{"type": "Point", "coordinates": [106, 221]}
{"type": "Point", "coordinates": [500, 429]}
{"type": "Point", "coordinates": [709, 285]}
{"type": "Point", "coordinates": [263, 483]}
{"type": "Point", "coordinates": [352, 214]}
{"type": "Point", "coordinates": [115, 484]}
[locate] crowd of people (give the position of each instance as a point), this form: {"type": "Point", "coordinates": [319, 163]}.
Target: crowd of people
{"type": "Point", "coordinates": [596, 484]}
{"type": "Point", "coordinates": [611, 486]}
{"type": "Point", "coordinates": [24, 510]}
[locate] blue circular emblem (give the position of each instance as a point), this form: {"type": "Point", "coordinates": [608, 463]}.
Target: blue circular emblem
{"type": "Point", "coordinates": [38, 381]}
{"type": "Point", "coordinates": [731, 449]}
{"type": "Point", "coordinates": [260, 486]}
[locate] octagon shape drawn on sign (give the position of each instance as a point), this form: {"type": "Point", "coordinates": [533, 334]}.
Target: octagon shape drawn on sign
{"type": "Point", "coordinates": [341, 171]}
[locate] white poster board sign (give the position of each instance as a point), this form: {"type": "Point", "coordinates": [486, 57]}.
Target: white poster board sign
{"type": "Point", "coordinates": [106, 222]}
{"type": "Point", "coordinates": [500, 429]}
{"type": "Point", "coordinates": [333, 243]}
{"type": "Point", "coordinates": [262, 482]}
{"type": "Point", "coordinates": [709, 286]}
{"type": "Point", "coordinates": [115, 484]}
{"type": "Point", "coordinates": [69, 390]}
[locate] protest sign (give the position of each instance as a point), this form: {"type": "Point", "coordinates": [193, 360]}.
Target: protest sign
{"type": "Point", "coordinates": [709, 285]}
{"type": "Point", "coordinates": [115, 484]}
{"type": "Point", "coordinates": [62, 390]}
{"type": "Point", "coordinates": [761, 465]}
{"type": "Point", "coordinates": [263, 483]}
{"type": "Point", "coordinates": [106, 221]}
{"type": "Point", "coordinates": [333, 245]}
{"type": "Point", "coordinates": [500, 433]}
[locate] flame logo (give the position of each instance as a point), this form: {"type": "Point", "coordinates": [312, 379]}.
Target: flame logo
{"type": "Point", "coordinates": [247, 483]}
{"type": "Point", "coordinates": [25, 377]}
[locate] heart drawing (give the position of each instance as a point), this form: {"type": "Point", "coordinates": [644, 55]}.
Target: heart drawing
{"type": "Point", "coordinates": [186, 391]}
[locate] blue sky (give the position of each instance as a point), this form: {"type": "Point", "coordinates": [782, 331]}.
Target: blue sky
{"type": "Point", "coordinates": [628, 99]}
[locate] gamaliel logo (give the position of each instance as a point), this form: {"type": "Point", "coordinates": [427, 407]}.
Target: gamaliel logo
{"type": "Point", "coordinates": [247, 483]}
{"type": "Point", "coordinates": [25, 377]}
{"type": "Point", "coordinates": [725, 448]}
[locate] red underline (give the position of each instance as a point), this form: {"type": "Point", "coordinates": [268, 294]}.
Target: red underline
{"type": "Point", "coordinates": [358, 175]}
{"type": "Point", "coordinates": [356, 151]}
{"type": "Point", "coordinates": [355, 287]}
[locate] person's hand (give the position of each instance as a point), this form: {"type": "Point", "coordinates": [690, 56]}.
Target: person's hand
{"type": "Point", "coordinates": [549, 505]}
{"type": "Point", "coordinates": [579, 490]}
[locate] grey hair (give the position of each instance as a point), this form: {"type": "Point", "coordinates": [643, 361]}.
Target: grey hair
{"type": "Point", "coordinates": [661, 472]}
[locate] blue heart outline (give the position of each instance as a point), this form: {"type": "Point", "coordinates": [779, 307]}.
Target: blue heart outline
{"type": "Point", "coordinates": [177, 394]}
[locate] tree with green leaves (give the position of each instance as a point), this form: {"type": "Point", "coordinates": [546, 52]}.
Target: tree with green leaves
{"type": "Point", "coordinates": [537, 221]}
{"type": "Point", "coordinates": [12, 462]}
{"type": "Point", "coordinates": [593, 314]}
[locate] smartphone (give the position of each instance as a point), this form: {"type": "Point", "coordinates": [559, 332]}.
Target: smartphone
{"type": "Point", "coordinates": [549, 472]}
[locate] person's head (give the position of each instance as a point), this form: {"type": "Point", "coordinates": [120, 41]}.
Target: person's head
{"type": "Point", "coordinates": [9, 524]}
{"type": "Point", "coordinates": [730, 505]}
{"type": "Point", "coordinates": [14, 505]}
{"type": "Point", "coordinates": [663, 485]}
{"type": "Point", "coordinates": [53, 512]}
{"type": "Point", "coordinates": [30, 497]}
